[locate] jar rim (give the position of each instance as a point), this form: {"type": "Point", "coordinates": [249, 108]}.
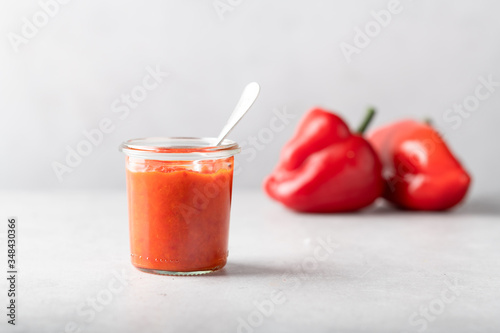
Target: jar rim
{"type": "Point", "coordinates": [179, 148]}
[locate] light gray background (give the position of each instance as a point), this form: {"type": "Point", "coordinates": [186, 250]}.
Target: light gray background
{"type": "Point", "coordinates": [64, 80]}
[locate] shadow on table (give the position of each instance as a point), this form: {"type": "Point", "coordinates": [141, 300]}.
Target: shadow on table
{"type": "Point", "coordinates": [482, 206]}
{"type": "Point", "coordinates": [234, 269]}
{"type": "Point", "coordinates": [479, 206]}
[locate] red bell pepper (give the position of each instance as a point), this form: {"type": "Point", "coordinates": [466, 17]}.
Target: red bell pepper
{"type": "Point", "coordinates": [420, 171]}
{"type": "Point", "coordinates": [326, 168]}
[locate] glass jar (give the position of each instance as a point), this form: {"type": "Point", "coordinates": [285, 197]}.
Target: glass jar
{"type": "Point", "coordinates": [179, 199]}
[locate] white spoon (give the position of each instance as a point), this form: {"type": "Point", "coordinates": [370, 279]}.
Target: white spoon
{"type": "Point", "coordinates": [247, 98]}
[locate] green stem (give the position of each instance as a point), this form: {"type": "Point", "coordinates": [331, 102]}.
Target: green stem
{"type": "Point", "coordinates": [368, 118]}
{"type": "Point", "coordinates": [428, 121]}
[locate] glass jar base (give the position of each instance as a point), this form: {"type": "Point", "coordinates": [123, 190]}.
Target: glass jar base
{"type": "Point", "coordinates": [172, 273]}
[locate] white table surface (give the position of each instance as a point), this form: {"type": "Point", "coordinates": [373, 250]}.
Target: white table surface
{"type": "Point", "coordinates": [383, 271]}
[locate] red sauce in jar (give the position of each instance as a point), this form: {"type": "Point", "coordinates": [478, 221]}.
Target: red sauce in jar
{"type": "Point", "coordinates": [179, 214]}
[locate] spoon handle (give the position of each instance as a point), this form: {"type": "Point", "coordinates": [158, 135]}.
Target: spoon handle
{"type": "Point", "coordinates": [247, 99]}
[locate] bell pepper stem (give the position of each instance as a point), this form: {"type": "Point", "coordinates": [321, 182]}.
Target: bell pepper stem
{"type": "Point", "coordinates": [428, 121]}
{"type": "Point", "coordinates": [368, 118]}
